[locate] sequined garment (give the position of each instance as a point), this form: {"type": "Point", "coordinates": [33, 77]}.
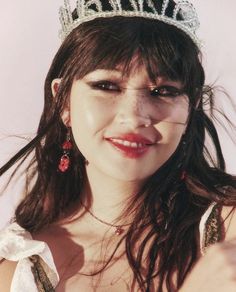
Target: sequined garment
{"type": "Point", "coordinates": [41, 279]}
{"type": "Point", "coordinates": [213, 231]}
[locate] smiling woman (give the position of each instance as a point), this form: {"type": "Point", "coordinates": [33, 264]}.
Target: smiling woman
{"type": "Point", "coordinates": [122, 194]}
{"type": "Point", "coordinates": [108, 109]}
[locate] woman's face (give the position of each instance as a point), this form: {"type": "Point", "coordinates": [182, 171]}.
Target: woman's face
{"type": "Point", "coordinates": [127, 127]}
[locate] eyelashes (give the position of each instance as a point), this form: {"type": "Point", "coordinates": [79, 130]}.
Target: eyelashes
{"type": "Point", "coordinates": [166, 91]}
{"type": "Point", "coordinates": [106, 86]}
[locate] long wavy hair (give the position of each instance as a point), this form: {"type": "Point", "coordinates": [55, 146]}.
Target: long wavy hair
{"type": "Point", "coordinates": [167, 208]}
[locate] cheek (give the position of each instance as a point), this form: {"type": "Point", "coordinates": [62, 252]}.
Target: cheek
{"type": "Point", "coordinates": [170, 137]}
{"type": "Point", "coordinates": [173, 128]}
{"type": "Point", "coordinates": [88, 118]}
{"type": "Point", "coordinates": [179, 112]}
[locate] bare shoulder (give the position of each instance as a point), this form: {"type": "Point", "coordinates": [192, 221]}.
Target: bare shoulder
{"type": "Point", "coordinates": [228, 215]}
{"type": "Point", "coordinates": [7, 269]}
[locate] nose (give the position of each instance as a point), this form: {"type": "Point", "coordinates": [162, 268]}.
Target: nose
{"type": "Point", "coordinates": [134, 110]}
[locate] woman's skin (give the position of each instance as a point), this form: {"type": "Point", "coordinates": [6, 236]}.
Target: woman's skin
{"type": "Point", "coordinates": [215, 271]}
{"type": "Point", "coordinates": [103, 106]}
{"type": "Point", "coordinates": [125, 105]}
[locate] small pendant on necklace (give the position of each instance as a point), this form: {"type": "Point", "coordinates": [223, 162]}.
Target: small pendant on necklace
{"type": "Point", "coordinates": [119, 230]}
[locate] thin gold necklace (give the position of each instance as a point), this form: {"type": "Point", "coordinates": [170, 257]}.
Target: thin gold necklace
{"type": "Point", "coordinates": [119, 229]}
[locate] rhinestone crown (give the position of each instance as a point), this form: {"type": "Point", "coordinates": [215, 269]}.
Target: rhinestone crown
{"type": "Point", "coordinates": [90, 9]}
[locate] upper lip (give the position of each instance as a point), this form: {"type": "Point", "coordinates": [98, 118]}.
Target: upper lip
{"type": "Point", "coordinates": [132, 137]}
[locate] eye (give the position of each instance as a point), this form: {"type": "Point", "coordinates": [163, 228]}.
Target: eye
{"type": "Point", "coordinates": [166, 91]}
{"type": "Point", "coordinates": [105, 86]}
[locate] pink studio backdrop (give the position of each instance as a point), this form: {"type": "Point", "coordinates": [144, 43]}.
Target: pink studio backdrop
{"type": "Point", "coordinates": [29, 40]}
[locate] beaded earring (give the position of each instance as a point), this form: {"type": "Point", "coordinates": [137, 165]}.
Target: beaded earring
{"type": "Point", "coordinates": [65, 162]}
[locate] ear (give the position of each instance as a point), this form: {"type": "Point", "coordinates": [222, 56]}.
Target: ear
{"type": "Point", "coordinates": [65, 116]}
{"type": "Point", "coordinates": [55, 86]}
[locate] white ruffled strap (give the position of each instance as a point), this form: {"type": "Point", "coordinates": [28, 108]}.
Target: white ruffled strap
{"type": "Point", "coordinates": [16, 244]}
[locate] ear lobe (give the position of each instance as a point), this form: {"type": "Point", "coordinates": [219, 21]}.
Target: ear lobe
{"type": "Point", "coordinates": [65, 116]}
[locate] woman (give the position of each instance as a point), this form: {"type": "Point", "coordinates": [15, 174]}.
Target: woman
{"type": "Point", "coordinates": [120, 178]}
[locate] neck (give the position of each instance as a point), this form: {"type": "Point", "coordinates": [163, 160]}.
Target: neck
{"type": "Point", "coordinates": [107, 197]}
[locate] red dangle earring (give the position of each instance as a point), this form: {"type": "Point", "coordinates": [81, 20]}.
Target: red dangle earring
{"type": "Point", "coordinates": [65, 162]}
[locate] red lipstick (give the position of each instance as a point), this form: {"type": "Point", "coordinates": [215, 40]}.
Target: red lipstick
{"type": "Point", "coordinates": [131, 145]}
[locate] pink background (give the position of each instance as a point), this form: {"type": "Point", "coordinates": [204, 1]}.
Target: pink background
{"type": "Point", "coordinates": [29, 40]}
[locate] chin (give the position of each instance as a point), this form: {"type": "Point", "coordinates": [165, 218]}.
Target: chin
{"type": "Point", "coordinates": [127, 175]}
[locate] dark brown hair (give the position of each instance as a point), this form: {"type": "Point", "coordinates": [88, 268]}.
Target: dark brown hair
{"type": "Point", "coordinates": [167, 209]}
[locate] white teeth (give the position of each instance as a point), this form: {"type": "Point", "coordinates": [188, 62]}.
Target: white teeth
{"type": "Point", "coordinates": [128, 144]}
{"type": "Point", "coordinates": [133, 144]}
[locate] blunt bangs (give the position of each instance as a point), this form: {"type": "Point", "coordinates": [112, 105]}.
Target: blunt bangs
{"type": "Point", "coordinates": [108, 43]}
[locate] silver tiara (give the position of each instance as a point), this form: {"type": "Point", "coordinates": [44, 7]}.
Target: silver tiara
{"type": "Point", "coordinates": [90, 9]}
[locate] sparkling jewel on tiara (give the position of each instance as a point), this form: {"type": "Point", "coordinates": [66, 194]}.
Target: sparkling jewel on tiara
{"type": "Point", "coordinates": [90, 9]}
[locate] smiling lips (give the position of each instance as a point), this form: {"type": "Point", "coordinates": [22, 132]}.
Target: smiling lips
{"type": "Point", "coordinates": [131, 145]}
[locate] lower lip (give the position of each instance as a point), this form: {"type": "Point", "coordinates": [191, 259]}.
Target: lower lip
{"type": "Point", "coordinates": [130, 152]}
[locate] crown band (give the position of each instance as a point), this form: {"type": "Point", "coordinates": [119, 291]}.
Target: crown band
{"type": "Point", "coordinates": [189, 22]}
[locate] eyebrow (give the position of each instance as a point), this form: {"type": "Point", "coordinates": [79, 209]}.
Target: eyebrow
{"type": "Point", "coordinates": [107, 70]}
{"type": "Point", "coordinates": [119, 74]}
{"type": "Point", "coordinates": [112, 73]}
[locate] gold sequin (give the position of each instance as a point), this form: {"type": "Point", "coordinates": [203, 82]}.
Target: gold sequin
{"type": "Point", "coordinates": [41, 279]}
{"type": "Point", "coordinates": [213, 228]}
